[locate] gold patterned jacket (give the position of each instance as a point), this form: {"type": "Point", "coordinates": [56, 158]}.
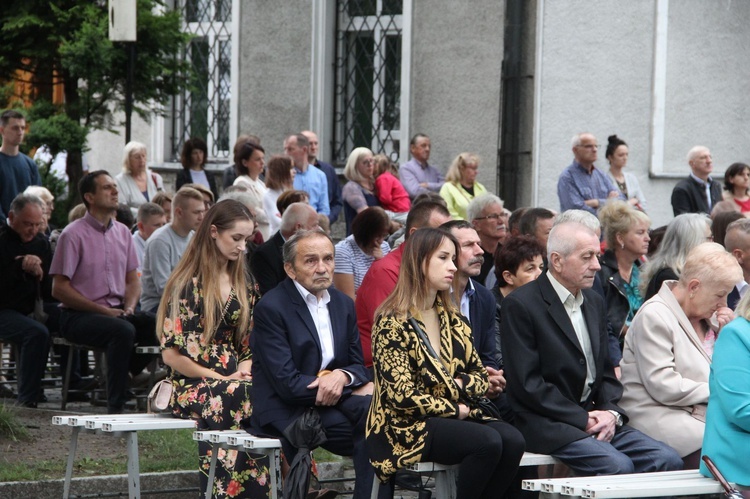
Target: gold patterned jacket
{"type": "Point", "coordinates": [411, 386]}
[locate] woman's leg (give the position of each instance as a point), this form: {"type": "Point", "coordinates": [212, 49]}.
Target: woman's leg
{"type": "Point", "coordinates": [488, 454]}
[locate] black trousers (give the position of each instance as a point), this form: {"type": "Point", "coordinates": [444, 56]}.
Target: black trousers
{"type": "Point", "coordinates": [118, 335]}
{"type": "Point", "coordinates": [488, 454]}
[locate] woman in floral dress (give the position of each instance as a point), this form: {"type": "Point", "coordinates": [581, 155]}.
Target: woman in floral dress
{"type": "Point", "coordinates": [206, 314]}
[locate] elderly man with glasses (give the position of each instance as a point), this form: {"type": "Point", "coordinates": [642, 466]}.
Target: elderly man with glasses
{"type": "Point", "coordinates": [490, 220]}
{"type": "Point", "coordinates": [581, 185]}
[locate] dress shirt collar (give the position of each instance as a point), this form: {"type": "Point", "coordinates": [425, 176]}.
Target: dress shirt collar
{"type": "Point", "coordinates": [704, 183]}
{"type": "Point", "coordinates": [584, 169]}
{"type": "Point", "coordinates": [96, 224]}
{"type": "Point", "coordinates": [564, 294]}
{"type": "Point", "coordinates": [742, 288]}
{"type": "Point", "coordinates": [310, 298]}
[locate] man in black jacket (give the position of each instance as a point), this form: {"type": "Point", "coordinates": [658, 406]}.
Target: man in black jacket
{"type": "Point", "coordinates": [698, 193]}
{"type": "Point", "coordinates": [25, 258]}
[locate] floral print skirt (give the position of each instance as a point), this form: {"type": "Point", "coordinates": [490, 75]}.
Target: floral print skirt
{"type": "Point", "coordinates": [221, 405]}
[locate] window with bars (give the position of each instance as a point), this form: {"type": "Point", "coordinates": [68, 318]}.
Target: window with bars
{"type": "Point", "coordinates": [368, 77]}
{"type": "Point", "coordinates": [203, 109]}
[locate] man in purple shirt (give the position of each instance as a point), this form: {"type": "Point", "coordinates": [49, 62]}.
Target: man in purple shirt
{"type": "Point", "coordinates": [418, 175]}
{"type": "Point", "coordinates": [581, 185]}
{"type": "Point", "coordinates": [95, 277]}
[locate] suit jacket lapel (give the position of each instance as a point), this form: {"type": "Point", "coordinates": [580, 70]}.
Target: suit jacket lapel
{"type": "Point", "coordinates": [592, 324]}
{"type": "Point", "coordinates": [557, 311]}
{"type": "Point", "coordinates": [300, 308]}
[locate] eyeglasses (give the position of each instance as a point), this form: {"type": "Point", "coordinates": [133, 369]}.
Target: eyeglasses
{"type": "Point", "coordinates": [590, 146]}
{"type": "Point", "coordinates": [493, 216]}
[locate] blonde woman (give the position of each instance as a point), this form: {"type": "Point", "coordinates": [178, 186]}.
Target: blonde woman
{"type": "Point", "coordinates": [136, 184]}
{"type": "Point", "coordinates": [460, 185]}
{"type": "Point", "coordinates": [203, 325]}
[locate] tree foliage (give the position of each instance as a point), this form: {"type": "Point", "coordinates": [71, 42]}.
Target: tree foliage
{"type": "Point", "coordinates": [66, 41]}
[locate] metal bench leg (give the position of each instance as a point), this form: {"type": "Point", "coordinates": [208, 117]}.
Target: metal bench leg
{"type": "Point", "coordinates": [375, 487]}
{"type": "Point", "coordinates": [212, 470]}
{"type": "Point", "coordinates": [275, 458]}
{"type": "Point", "coordinates": [71, 459]}
{"type": "Point", "coordinates": [134, 477]}
{"type": "Point", "coordinates": [445, 484]}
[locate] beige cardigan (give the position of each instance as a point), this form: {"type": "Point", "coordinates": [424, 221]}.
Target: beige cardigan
{"type": "Point", "coordinates": [665, 373]}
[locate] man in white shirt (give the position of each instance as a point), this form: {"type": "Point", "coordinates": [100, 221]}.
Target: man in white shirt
{"type": "Point", "coordinates": [306, 353]}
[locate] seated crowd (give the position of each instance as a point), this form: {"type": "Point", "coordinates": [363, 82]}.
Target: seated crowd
{"type": "Point", "coordinates": [471, 335]}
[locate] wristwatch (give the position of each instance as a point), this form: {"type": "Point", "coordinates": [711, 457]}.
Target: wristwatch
{"type": "Point", "coordinates": [618, 418]}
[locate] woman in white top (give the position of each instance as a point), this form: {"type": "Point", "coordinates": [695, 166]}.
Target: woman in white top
{"type": "Point", "coordinates": [249, 164]}
{"type": "Point", "coordinates": [136, 184]}
{"type": "Point", "coordinates": [279, 178]}
{"type": "Point", "coordinates": [626, 182]}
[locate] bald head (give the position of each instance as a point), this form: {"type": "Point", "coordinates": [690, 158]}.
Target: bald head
{"type": "Point", "coordinates": [298, 216]}
{"type": "Point", "coordinates": [737, 242]}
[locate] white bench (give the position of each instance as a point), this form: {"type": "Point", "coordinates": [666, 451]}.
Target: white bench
{"type": "Point", "coordinates": [445, 474]}
{"type": "Point", "coordinates": [665, 483]}
{"type": "Point", "coordinates": [242, 441]}
{"type": "Point", "coordinates": [120, 425]}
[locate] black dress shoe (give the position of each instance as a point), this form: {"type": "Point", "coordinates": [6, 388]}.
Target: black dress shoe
{"type": "Point", "coordinates": [30, 405]}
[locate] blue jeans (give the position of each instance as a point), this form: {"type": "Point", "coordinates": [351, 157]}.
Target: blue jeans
{"type": "Point", "coordinates": [33, 339]}
{"type": "Point", "coordinates": [630, 451]}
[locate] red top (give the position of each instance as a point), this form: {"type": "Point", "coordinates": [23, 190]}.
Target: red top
{"type": "Point", "coordinates": [391, 193]}
{"type": "Point", "coordinates": [378, 283]}
{"type": "Point", "coordinates": [744, 205]}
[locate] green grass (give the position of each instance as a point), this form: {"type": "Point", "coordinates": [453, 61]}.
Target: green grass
{"type": "Point", "coordinates": [9, 425]}
{"type": "Point", "coordinates": [167, 450]}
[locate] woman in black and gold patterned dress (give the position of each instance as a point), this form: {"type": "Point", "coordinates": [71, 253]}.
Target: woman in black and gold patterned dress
{"type": "Point", "coordinates": [429, 380]}
{"type": "Point", "coordinates": [205, 316]}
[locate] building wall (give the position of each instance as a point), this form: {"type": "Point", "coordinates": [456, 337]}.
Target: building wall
{"type": "Point", "coordinates": [596, 71]}
{"type": "Point", "coordinates": [457, 52]}
{"type": "Point", "coordinates": [275, 69]}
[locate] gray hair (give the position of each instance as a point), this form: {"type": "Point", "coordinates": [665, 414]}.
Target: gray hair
{"type": "Point", "coordinates": [20, 202]}
{"type": "Point", "coordinates": [243, 197]}
{"type": "Point", "coordinates": [479, 204]}
{"type": "Point", "coordinates": [129, 149]}
{"type": "Point", "coordinates": [41, 192]}
{"type": "Point", "coordinates": [293, 215]}
{"type": "Point", "coordinates": [736, 231]}
{"type": "Point", "coordinates": [695, 151]}
{"type": "Point", "coordinates": [684, 233]}
{"type": "Point", "coordinates": [289, 251]}
{"type": "Point", "coordinates": [582, 217]}
{"type": "Point", "coordinates": [559, 242]}
{"type": "Point", "coordinates": [576, 140]}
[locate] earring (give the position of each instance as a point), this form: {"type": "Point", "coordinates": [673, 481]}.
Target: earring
{"type": "Point", "coordinates": [622, 245]}
{"type": "Point", "coordinates": [692, 295]}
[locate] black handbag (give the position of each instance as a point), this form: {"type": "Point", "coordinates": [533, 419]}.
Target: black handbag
{"type": "Point", "coordinates": [482, 403]}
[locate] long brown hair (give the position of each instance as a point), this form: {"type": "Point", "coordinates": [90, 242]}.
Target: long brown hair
{"type": "Point", "coordinates": [411, 288]}
{"type": "Point", "coordinates": [200, 266]}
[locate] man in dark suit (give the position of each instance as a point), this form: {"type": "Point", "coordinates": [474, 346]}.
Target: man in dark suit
{"type": "Point", "coordinates": [698, 193]}
{"type": "Point", "coordinates": [306, 353]}
{"type": "Point", "coordinates": [476, 303]}
{"type": "Point", "coordinates": [561, 384]}
{"type": "Point", "coordinates": [267, 263]}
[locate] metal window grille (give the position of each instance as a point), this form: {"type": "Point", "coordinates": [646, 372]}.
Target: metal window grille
{"type": "Point", "coordinates": [368, 77]}
{"type": "Point", "coordinates": [202, 110]}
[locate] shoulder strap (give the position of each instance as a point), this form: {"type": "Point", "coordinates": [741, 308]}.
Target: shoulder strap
{"type": "Point", "coordinates": [423, 337]}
